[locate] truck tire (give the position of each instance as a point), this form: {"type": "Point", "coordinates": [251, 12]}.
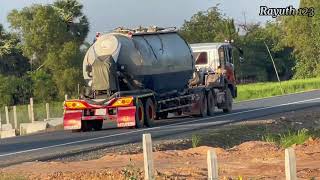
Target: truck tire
{"type": "Point", "coordinates": [204, 106]}
{"type": "Point", "coordinates": [211, 104]}
{"type": "Point", "coordinates": [150, 112]}
{"type": "Point", "coordinates": [139, 114]}
{"type": "Point", "coordinates": [97, 126]}
{"type": "Point", "coordinates": [228, 103]}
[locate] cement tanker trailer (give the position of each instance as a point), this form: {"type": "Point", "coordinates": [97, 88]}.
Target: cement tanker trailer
{"type": "Point", "coordinates": [134, 78]}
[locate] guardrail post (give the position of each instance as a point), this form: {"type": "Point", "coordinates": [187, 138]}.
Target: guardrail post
{"type": "Point", "coordinates": [31, 110]}
{"type": "Point", "coordinates": [48, 111]}
{"type": "Point", "coordinates": [7, 115]}
{"type": "Point", "coordinates": [66, 97]}
{"type": "Point", "coordinates": [212, 165]}
{"type": "Point", "coordinates": [15, 120]}
{"type": "Point", "coordinates": [147, 156]}
{"type": "Point", "coordinates": [290, 164]}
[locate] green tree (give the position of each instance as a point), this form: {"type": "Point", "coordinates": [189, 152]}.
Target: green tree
{"type": "Point", "coordinates": [14, 90]}
{"type": "Point", "coordinates": [208, 26]}
{"type": "Point", "coordinates": [12, 62]}
{"type": "Point", "coordinates": [258, 65]}
{"type": "Point", "coordinates": [41, 29]}
{"type": "Point", "coordinates": [44, 88]}
{"type": "Point", "coordinates": [52, 36]}
{"type": "Point", "coordinates": [302, 33]}
{"type": "Point", "coordinates": [71, 13]}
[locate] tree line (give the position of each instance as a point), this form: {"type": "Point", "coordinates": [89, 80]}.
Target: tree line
{"type": "Point", "coordinates": [293, 40]}
{"type": "Point", "coordinates": [42, 54]}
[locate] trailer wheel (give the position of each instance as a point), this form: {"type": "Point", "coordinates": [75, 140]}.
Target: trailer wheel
{"type": "Point", "coordinates": [139, 114]}
{"type": "Point", "coordinates": [149, 113]}
{"type": "Point", "coordinates": [98, 125]}
{"type": "Point", "coordinates": [228, 104]}
{"type": "Point", "coordinates": [211, 104]}
{"type": "Point", "coordinates": [204, 107]}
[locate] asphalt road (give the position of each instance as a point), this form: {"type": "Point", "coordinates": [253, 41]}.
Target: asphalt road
{"type": "Point", "coordinates": [56, 144]}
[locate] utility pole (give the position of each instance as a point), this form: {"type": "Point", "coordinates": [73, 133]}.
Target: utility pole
{"type": "Point", "coordinates": [275, 68]}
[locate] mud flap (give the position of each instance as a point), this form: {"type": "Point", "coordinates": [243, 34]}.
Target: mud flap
{"type": "Point", "coordinates": [72, 119]}
{"type": "Point", "coordinates": [126, 116]}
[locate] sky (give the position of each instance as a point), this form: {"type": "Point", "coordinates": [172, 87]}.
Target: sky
{"type": "Point", "coordinates": [105, 15]}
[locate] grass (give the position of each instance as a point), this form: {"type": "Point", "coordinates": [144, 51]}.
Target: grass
{"type": "Point", "coordinates": [195, 140]}
{"type": "Point", "coordinates": [11, 177]}
{"type": "Point", "coordinates": [261, 90]}
{"type": "Point", "coordinates": [283, 134]}
{"type": "Point", "coordinates": [131, 172]}
{"type": "Point", "coordinates": [290, 138]}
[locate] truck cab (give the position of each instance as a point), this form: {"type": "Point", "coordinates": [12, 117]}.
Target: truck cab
{"type": "Point", "coordinates": [215, 64]}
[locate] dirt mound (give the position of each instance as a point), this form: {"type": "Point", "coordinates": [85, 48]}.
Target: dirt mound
{"type": "Point", "coordinates": [261, 159]}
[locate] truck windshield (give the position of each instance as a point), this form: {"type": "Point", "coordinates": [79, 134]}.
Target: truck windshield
{"type": "Point", "coordinates": [201, 57]}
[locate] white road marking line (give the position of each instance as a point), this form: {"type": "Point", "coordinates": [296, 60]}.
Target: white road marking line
{"type": "Point", "coordinates": [140, 130]}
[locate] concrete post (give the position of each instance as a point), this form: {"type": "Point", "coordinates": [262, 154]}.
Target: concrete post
{"type": "Point", "coordinates": [48, 111]}
{"type": "Point", "coordinates": [290, 164]}
{"type": "Point", "coordinates": [15, 120]}
{"type": "Point", "coordinates": [31, 110]}
{"type": "Point", "coordinates": [7, 115]}
{"type": "Point", "coordinates": [148, 159]}
{"type": "Point", "coordinates": [212, 165]}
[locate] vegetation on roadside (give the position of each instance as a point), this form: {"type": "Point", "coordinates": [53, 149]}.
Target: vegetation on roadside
{"type": "Point", "coordinates": [289, 138]}
{"type": "Point", "coordinates": [11, 177]}
{"type": "Point", "coordinates": [195, 140]}
{"type": "Point", "coordinates": [131, 172]}
{"type": "Point", "coordinates": [262, 90]}
{"type": "Point", "coordinates": [56, 111]}
{"type": "Point", "coordinates": [282, 132]}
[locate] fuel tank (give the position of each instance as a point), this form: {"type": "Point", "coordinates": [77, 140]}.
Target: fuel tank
{"type": "Point", "coordinates": [161, 61]}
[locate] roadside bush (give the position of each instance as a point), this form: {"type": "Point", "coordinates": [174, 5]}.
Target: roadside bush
{"type": "Point", "coordinates": [44, 88]}
{"type": "Point", "coordinates": [131, 172]}
{"type": "Point", "coordinates": [14, 90]}
{"type": "Point", "coordinates": [288, 139]}
{"type": "Point", "coordinates": [196, 139]}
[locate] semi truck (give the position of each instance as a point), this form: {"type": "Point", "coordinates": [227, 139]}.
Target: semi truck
{"type": "Point", "coordinates": [135, 77]}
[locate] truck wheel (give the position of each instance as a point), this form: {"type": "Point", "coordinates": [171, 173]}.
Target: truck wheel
{"type": "Point", "coordinates": [204, 107]}
{"type": "Point", "coordinates": [149, 113]}
{"type": "Point", "coordinates": [211, 104]}
{"type": "Point", "coordinates": [228, 104]}
{"type": "Point", "coordinates": [98, 125]}
{"type": "Point", "coordinates": [139, 114]}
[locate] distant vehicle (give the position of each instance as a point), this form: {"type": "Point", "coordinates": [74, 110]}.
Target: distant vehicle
{"type": "Point", "coordinates": [137, 76]}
